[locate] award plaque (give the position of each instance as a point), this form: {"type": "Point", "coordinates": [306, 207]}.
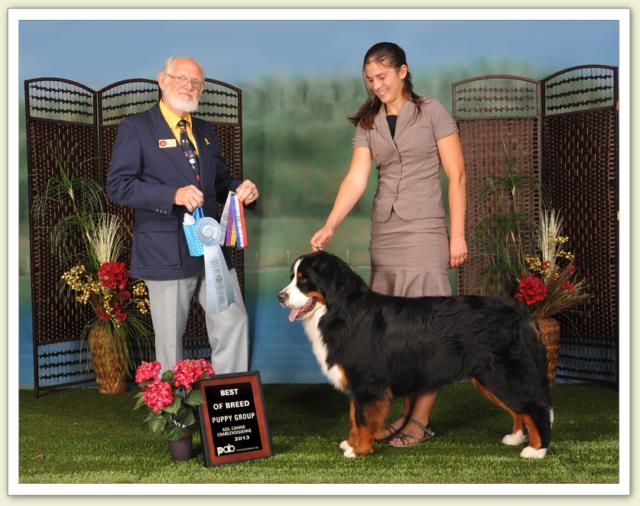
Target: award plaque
{"type": "Point", "coordinates": [233, 422]}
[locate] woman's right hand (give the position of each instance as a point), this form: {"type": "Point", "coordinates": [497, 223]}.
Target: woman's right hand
{"type": "Point", "coordinates": [321, 238]}
{"type": "Point", "coordinates": [351, 189]}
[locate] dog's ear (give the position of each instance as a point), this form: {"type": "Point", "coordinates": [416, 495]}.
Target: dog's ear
{"type": "Point", "coordinates": [333, 277]}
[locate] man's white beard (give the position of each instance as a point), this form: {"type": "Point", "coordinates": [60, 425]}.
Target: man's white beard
{"type": "Point", "coordinates": [180, 104]}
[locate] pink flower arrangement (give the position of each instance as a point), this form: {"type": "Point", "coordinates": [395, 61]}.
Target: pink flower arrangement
{"type": "Point", "coordinates": [187, 372]}
{"type": "Point", "coordinates": [158, 395]}
{"type": "Point", "coordinates": [147, 371]}
{"type": "Point", "coordinates": [172, 398]}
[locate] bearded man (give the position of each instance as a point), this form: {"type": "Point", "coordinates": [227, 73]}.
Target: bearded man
{"type": "Point", "coordinates": [165, 163]}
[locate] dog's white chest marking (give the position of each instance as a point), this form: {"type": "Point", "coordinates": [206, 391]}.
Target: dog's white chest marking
{"type": "Point", "coordinates": [334, 374]}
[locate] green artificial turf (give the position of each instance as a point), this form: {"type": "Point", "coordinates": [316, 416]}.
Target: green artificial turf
{"type": "Point", "coordinates": [79, 436]}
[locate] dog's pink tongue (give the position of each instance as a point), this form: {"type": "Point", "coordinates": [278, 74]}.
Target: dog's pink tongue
{"type": "Point", "coordinates": [294, 313]}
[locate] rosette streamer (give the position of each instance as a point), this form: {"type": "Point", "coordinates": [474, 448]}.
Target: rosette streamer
{"type": "Point", "coordinates": [218, 280]}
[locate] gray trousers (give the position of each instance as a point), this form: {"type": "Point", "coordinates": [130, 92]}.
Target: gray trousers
{"type": "Point", "coordinates": [228, 331]}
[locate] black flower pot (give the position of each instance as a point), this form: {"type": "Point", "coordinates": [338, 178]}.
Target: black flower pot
{"type": "Point", "coordinates": [182, 449]}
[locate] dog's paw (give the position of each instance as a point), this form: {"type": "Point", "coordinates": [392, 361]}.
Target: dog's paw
{"type": "Point", "coordinates": [515, 439]}
{"type": "Point", "coordinates": [347, 450]}
{"type": "Point", "coordinates": [533, 453]}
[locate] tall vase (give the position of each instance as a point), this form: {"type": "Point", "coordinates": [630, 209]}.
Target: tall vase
{"type": "Point", "coordinates": [182, 449]}
{"type": "Point", "coordinates": [109, 366]}
{"type": "Point", "coordinates": [549, 330]}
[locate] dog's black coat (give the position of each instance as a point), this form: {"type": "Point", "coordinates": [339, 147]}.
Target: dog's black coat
{"type": "Point", "coordinates": [410, 345]}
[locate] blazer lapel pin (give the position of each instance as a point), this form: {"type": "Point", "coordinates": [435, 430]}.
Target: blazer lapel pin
{"type": "Point", "coordinates": [167, 143]}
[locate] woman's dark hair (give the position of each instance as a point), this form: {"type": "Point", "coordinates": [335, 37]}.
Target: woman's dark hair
{"type": "Point", "coordinates": [391, 55]}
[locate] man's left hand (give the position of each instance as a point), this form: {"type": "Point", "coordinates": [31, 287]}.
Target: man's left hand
{"type": "Point", "coordinates": [247, 192]}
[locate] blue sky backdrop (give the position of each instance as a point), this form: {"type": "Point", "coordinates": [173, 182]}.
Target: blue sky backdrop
{"type": "Point", "coordinates": [98, 53]}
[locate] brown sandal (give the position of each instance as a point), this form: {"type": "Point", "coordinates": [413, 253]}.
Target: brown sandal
{"type": "Point", "coordinates": [393, 431]}
{"type": "Point", "coordinates": [408, 440]}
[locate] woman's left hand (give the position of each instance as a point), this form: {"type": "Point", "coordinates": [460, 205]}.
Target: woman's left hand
{"type": "Point", "coordinates": [247, 192]}
{"type": "Point", "coordinates": [457, 251]}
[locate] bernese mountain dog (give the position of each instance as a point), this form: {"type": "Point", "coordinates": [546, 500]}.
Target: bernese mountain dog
{"type": "Point", "coordinates": [375, 347]}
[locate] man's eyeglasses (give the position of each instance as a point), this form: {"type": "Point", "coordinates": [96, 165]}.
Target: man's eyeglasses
{"type": "Point", "coordinates": [182, 81]}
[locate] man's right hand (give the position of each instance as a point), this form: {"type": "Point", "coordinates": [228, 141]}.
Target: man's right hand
{"type": "Point", "coordinates": [189, 196]}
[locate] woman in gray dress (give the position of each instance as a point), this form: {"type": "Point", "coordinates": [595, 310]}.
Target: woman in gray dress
{"type": "Point", "coordinates": [409, 137]}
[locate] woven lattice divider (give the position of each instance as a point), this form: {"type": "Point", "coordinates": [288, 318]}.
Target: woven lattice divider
{"type": "Point", "coordinates": [565, 128]}
{"type": "Point", "coordinates": [61, 123]}
{"type": "Point", "coordinates": [67, 117]}
{"type": "Point", "coordinates": [580, 172]}
{"type": "Point", "coordinates": [495, 113]}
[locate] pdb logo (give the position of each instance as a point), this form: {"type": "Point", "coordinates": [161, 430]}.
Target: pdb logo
{"type": "Point", "coordinates": [226, 449]}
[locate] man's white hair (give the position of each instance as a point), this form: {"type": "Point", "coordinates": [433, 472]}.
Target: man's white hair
{"type": "Point", "coordinates": [166, 68]}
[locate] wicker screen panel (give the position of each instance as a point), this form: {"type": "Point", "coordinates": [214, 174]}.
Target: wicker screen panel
{"type": "Point", "coordinates": [60, 126]}
{"type": "Point", "coordinates": [125, 98]}
{"type": "Point", "coordinates": [60, 100]}
{"type": "Point", "coordinates": [483, 141]}
{"type": "Point", "coordinates": [579, 89]}
{"type": "Point", "coordinates": [496, 96]}
{"type": "Point", "coordinates": [580, 171]}
{"type": "Point", "coordinates": [220, 103]}
{"type": "Point", "coordinates": [495, 113]}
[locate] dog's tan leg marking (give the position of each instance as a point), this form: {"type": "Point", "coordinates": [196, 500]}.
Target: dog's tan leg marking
{"type": "Point", "coordinates": [361, 437]}
{"type": "Point", "coordinates": [360, 440]}
{"type": "Point", "coordinates": [348, 445]}
{"type": "Point", "coordinates": [375, 414]}
{"type": "Point", "coordinates": [517, 432]}
{"type": "Point", "coordinates": [365, 441]}
{"type": "Point", "coordinates": [535, 441]}
{"type": "Point", "coordinates": [518, 423]}
{"type": "Point", "coordinates": [353, 432]}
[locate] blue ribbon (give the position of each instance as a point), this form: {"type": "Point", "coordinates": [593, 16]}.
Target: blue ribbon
{"type": "Point", "coordinates": [217, 277]}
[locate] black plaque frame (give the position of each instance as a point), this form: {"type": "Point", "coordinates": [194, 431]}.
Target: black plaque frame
{"type": "Point", "coordinates": [230, 381]}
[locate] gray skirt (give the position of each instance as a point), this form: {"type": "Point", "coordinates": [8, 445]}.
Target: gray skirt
{"type": "Point", "coordinates": [410, 258]}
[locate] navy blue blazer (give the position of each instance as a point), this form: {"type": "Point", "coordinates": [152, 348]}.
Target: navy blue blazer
{"type": "Point", "coordinates": [145, 176]}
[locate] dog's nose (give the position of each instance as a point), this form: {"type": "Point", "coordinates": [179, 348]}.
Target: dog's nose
{"type": "Point", "coordinates": [282, 297]}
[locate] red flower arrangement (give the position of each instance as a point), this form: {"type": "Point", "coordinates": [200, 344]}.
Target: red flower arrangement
{"type": "Point", "coordinates": [118, 304]}
{"type": "Point", "coordinates": [531, 290]}
{"type": "Point", "coordinates": [172, 398]}
{"type": "Point", "coordinates": [109, 291]}
{"type": "Point", "coordinates": [550, 284]}
{"type": "Point", "coordinates": [113, 275]}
